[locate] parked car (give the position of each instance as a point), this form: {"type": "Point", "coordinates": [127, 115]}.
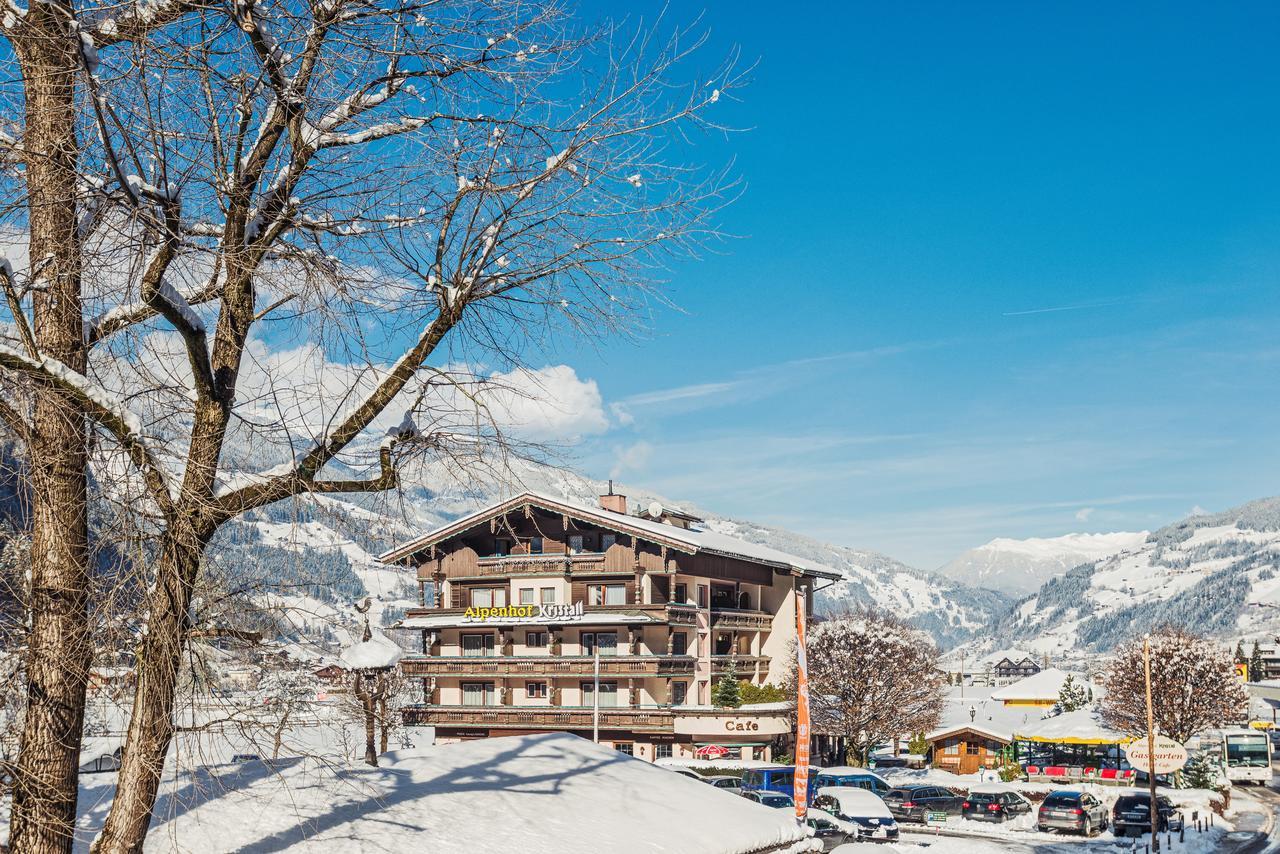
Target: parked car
{"type": "Point", "coordinates": [778, 779]}
{"type": "Point", "coordinates": [992, 805]}
{"type": "Point", "coordinates": [1072, 810]}
{"type": "Point", "coordinates": [729, 784]}
{"type": "Point", "coordinates": [913, 803]}
{"type": "Point", "coordinates": [777, 800]}
{"type": "Point", "coordinates": [684, 772]}
{"type": "Point", "coordinates": [828, 829]}
{"type": "Point", "coordinates": [846, 776]}
{"type": "Point", "coordinates": [889, 760]}
{"type": "Point", "coordinates": [1132, 813]}
{"type": "Point", "coordinates": [860, 808]}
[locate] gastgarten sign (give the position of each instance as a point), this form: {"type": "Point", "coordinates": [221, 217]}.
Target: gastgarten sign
{"type": "Point", "coordinates": [1169, 755]}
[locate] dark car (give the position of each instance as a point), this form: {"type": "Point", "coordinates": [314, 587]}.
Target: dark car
{"type": "Point", "coordinates": [994, 806]}
{"type": "Point", "coordinates": [1132, 814]}
{"type": "Point", "coordinates": [914, 803]}
{"type": "Point", "coordinates": [1070, 810]}
{"type": "Point", "coordinates": [826, 829]}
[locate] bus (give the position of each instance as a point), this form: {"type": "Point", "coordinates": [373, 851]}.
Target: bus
{"type": "Point", "coordinates": [1245, 754]}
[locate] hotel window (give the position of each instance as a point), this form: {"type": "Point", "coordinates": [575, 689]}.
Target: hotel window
{"type": "Point", "coordinates": [488, 597]}
{"type": "Point", "coordinates": [702, 595]}
{"type": "Point", "coordinates": [477, 694]}
{"type": "Point", "coordinates": [679, 691]}
{"type": "Point", "coordinates": [535, 640]}
{"type": "Point", "coordinates": [477, 646]}
{"type": "Point", "coordinates": [606, 594]}
{"type": "Point", "coordinates": [608, 642]}
{"type": "Point", "coordinates": [535, 690]}
{"type": "Point", "coordinates": [548, 596]}
{"type": "Point", "coordinates": [625, 747]}
{"type": "Point", "coordinates": [526, 595]}
{"type": "Point", "coordinates": [679, 644]}
{"type": "Point", "coordinates": [575, 544]}
{"type": "Point", "coordinates": [951, 745]}
{"type": "Point", "coordinates": [662, 751]}
{"type": "Point", "coordinates": [682, 594]}
{"type": "Point", "coordinates": [502, 547]}
{"type": "Point", "coordinates": [535, 545]}
{"type": "Point", "coordinates": [608, 693]}
{"type": "Point", "coordinates": [607, 540]}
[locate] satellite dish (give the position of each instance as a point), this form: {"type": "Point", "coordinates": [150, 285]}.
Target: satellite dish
{"type": "Point", "coordinates": [655, 510]}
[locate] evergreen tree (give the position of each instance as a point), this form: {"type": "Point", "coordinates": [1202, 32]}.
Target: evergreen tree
{"type": "Point", "coordinates": [1201, 772]}
{"type": "Point", "coordinates": [1240, 656]}
{"type": "Point", "coordinates": [727, 693]}
{"type": "Point", "coordinates": [1257, 667]}
{"type": "Point", "coordinates": [1072, 696]}
{"type": "Point", "coordinates": [918, 745]}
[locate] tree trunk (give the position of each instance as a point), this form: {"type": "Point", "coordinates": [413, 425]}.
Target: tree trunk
{"type": "Point", "coordinates": [58, 648]}
{"type": "Point", "coordinates": [151, 721]}
{"type": "Point", "coordinates": [382, 715]}
{"type": "Point", "coordinates": [365, 693]}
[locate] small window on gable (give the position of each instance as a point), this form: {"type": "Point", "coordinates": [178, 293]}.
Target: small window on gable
{"type": "Point", "coordinates": [607, 540]}
{"type": "Point", "coordinates": [535, 545]}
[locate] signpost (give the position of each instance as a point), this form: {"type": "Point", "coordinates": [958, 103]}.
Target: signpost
{"type": "Point", "coordinates": [800, 789]}
{"type": "Point", "coordinates": [1169, 755]}
{"type": "Point", "coordinates": [935, 819]}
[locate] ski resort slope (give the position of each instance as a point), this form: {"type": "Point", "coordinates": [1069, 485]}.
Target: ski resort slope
{"type": "Point", "coordinates": [1019, 567]}
{"type": "Point", "coordinates": [1214, 574]}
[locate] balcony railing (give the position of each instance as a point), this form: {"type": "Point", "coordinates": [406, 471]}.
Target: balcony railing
{"type": "Point", "coordinates": [743, 663]}
{"type": "Point", "coordinates": [610, 665]}
{"type": "Point", "coordinates": [542, 717]}
{"type": "Point", "coordinates": [737, 618]}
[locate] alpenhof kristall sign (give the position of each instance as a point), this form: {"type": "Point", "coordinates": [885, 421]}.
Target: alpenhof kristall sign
{"type": "Point", "coordinates": [533, 613]}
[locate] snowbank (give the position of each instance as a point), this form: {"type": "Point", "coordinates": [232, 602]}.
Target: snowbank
{"type": "Point", "coordinates": [537, 794]}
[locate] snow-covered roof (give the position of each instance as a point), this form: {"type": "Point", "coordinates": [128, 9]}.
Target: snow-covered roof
{"type": "Point", "coordinates": [379, 652]}
{"type": "Point", "coordinates": [534, 794]}
{"type": "Point", "coordinates": [691, 540]}
{"type": "Point", "coordinates": [1083, 726]}
{"type": "Point", "coordinates": [1014, 655]}
{"type": "Point", "coordinates": [991, 718]}
{"type": "Point", "coordinates": [1045, 685]}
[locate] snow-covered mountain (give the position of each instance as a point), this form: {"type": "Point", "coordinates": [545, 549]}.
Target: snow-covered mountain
{"type": "Point", "coordinates": [1216, 574]}
{"type": "Point", "coordinates": [1019, 567]}
{"type": "Point", "coordinates": [343, 535]}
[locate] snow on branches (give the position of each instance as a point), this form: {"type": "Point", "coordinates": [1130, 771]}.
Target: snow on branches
{"type": "Point", "coordinates": [1193, 686]}
{"type": "Point", "coordinates": [872, 679]}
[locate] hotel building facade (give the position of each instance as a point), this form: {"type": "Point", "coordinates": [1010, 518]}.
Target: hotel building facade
{"type": "Point", "coordinates": [527, 591]}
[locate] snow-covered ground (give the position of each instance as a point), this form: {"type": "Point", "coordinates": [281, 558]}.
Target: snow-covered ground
{"type": "Point", "coordinates": [539, 794]}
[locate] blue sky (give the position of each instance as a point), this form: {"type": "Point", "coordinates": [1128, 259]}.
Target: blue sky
{"type": "Point", "coordinates": [1005, 270]}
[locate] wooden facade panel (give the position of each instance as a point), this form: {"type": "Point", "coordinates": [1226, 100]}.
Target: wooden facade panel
{"type": "Point", "coordinates": [461, 561]}
{"type": "Point", "coordinates": [618, 557]}
{"type": "Point", "coordinates": [730, 569]}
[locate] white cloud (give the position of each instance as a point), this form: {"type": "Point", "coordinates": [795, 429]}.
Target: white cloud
{"type": "Point", "coordinates": [1083, 514]}
{"type": "Point", "coordinates": [550, 404]}
{"type": "Point", "coordinates": [633, 458]}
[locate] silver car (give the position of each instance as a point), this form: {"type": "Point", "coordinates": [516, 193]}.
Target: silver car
{"type": "Point", "coordinates": [729, 784]}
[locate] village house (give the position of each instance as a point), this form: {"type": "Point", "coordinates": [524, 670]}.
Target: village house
{"type": "Point", "coordinates": [528, 593]}
{"type": "Point", "coordinates": [1040, 690]}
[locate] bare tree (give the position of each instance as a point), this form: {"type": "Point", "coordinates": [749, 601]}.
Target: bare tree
{"type": "Point", "coordinates": [1193, 686]}
{"type": "Point", "coordinates": [412, 188]}
{"type": "Point", "coordinates": [871, 680]}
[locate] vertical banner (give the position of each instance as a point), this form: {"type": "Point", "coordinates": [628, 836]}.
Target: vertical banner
{"type": "Point", "coordinates": [800, 792]}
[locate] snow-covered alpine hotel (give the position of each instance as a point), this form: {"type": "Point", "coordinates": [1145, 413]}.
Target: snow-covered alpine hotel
{"type": "Point", "coordinates": [527, 590]}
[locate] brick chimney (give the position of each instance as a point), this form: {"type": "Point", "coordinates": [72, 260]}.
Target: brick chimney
{"type": "Point", "coordinates": [616, 503]}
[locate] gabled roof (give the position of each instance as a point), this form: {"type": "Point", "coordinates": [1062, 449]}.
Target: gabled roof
{"type": "Point", "coordinates": [1045, 685]}
{"type": "Point", "coordinates": [688, 540]}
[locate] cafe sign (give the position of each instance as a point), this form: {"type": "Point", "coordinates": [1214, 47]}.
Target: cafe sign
{"type": "Point", "coordinates": [731, 726]}
{"type": "Point", "coordinates": [532, 613]}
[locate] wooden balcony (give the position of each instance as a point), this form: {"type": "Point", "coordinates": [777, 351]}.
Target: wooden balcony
{"type": "Point", "coordinates": [544, 665]}
{"type": "Point", "coordinates": [745, 664]}
{"type": "Point", "coordinates": [740, 620]}
{"type": "Point", "coordinates": [538, 717]}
